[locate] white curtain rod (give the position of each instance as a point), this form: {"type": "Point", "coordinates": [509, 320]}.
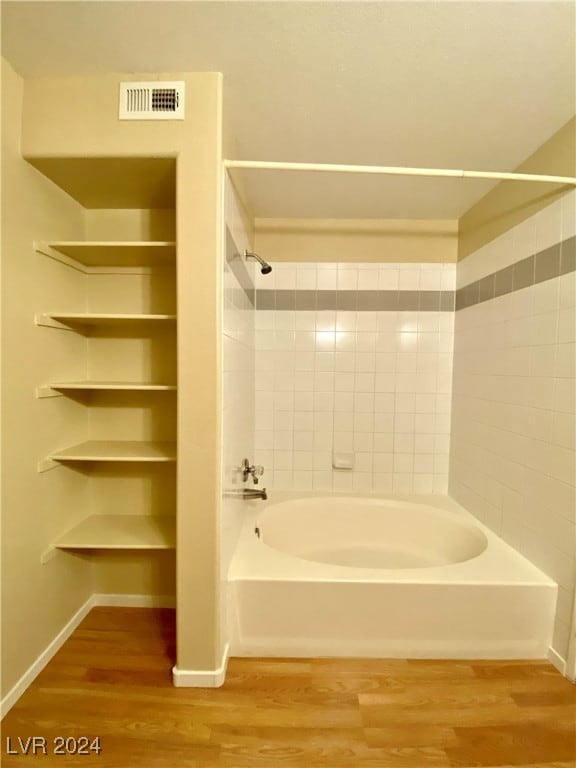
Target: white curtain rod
{"type": "Point", "coordinates": [385, 170]}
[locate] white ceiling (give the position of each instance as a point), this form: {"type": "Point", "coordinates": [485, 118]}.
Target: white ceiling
{"type": "Point", "coordinates": [476, 85]}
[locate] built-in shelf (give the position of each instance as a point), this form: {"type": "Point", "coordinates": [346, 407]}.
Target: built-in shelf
{"type": "Point", "coordinates": [81, 320]}
{"type": "Point", "coordinates": [111, 386]}
{"type": "Point", "coordinates": [120, 532]}
{"type": "Point", "coordinates": [120, 254]}
{"type": "Point", "coordinates": [118, 450]}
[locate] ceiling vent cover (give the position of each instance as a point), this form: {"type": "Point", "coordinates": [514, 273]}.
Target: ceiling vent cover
{"type": "Point", "coordinates": [152, 101]}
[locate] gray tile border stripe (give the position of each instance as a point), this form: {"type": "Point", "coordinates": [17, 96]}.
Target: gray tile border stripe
{"type": "Point", "coordinates": [559, 259]}
{"type": "Point", "coordinates": [356, 301]}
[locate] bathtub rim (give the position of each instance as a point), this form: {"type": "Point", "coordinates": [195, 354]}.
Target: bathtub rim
{"type": "Point", "coordinates": [499, 563]}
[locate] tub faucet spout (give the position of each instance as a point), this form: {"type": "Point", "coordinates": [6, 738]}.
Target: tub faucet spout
{"type": "Point", "coordinates": [247, 493]}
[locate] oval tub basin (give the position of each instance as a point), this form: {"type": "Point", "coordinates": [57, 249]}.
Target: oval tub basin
{"type": "Point", "coordinates": [370, 533]}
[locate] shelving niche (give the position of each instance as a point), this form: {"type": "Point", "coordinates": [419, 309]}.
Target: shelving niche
{"type": "Point", "coordinates": [126, 385]}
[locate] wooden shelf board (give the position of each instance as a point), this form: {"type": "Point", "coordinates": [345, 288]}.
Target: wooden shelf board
{"type": "Point", "coordinates": [118, 253]}
{"type": "Point", "coordinates": [81, 318]}
{"type": "Point", "coordinates": [118, 450]}
{"type": "Point", "coordinates": [121, 532]}
{"type": "Point", "coordinates": [128, 386]}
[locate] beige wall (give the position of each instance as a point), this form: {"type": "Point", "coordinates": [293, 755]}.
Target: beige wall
{"type": "Point", "coordinates": [356, 240]}
{"type": "Point", "coordinates": [77, 117]}
{"type": "Point", "coordinates": [511, 202]}
{"type": "Point", "coordinates": [37, 600]}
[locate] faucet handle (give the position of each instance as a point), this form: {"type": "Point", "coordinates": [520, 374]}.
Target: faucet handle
{"type": "Point", "coordinates": [256, 471]}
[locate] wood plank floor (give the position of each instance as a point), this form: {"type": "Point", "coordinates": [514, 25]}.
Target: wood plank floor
{"type": "Point", "coordinates": [112, 680]}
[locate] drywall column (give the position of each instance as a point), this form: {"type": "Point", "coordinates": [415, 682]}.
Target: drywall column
{"type": "Point", "coordinates": [199, 298]}
{"type": "Point", "coordinates": [78, 117]}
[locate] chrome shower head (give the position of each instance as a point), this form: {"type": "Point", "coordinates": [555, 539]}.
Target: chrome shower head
{"type": "Point", "coordinates": [265, 267]}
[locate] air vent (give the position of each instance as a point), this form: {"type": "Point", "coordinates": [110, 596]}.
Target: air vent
{"type": "Point", "coordinates": [151, 101]}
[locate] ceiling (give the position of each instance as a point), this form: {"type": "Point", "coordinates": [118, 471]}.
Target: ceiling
{"type": "Point", "coordinates": [473, 85]}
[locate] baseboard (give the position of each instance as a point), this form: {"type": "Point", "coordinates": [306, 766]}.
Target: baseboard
{"type": "Point", "coordinates": [557, 660]}
{"type": "Point", "coordinates": [95, 600]}
{"type": "Point", "coordinates": [202, 678]}
{"type": "Point", "coordinates": [48, 653]}
{"type": "Point", "coordinates": [134, 601]}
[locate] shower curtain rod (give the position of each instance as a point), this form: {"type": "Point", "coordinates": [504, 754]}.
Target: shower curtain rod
{"type": "Point", "coordinates": [385, 170]}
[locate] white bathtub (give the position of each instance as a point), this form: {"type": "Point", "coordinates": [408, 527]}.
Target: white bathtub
{"type": "Point", "coordinates": [407, 577]}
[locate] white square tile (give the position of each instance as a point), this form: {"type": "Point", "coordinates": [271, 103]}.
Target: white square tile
{"type": "Point", "coordinates": [403, 483]}
{"type": "Point", "coordinates": [363, 422]}
{"type": "Point", "coordinates": [347, 279]}
{"type": "Point", "coordinates": [344, 401]}
{"type": "Point", "coordinates": [383, 422]}
{"type": "Point", "coordinates": [342, 480]}
{"type": "Point", "coordinates": [303, 481]}
{"type": "Point", "coordinates": [325, 361]}
{"type": "Point", "coordinates": [382, 482]}
{"type": "Point", "coordinates": [305, 320]}
{"type": "Point", "coordinates": [384, 402]}
{"type": "Point", "coordinates": [385, 382]}
{"type": "Point", "coordinates": [322, 480]}
{"type": "Point", "coordinates": [303, 401]}
{"type": "Point", "coordinates": [327, 280]}
{"type": "Point", "coordinates": [365, 361]}
{"type": "Point", "coordinates": [367, 322]}
{"type": "Point", "coordinates": [424, 443]}
{"type": "Point", "coordinates": [345, 341]}
{"type": "Point", "coordinates": [384, 442]}
{"type": "Point", "coordinates": [303, 381]}
{"type": "Point", "coordinates": [305, 279]}
{"type": "Point", "coordinates": [403, 443]}
{"type": "Point", "coordinates": [388, 279]}
{"type": "Point", "coordinates": [303, 440]}
{"type": "Point", "coordinates": [409, 280]}
{"type": "Point", "coordinates": [283, 479]}
{"type": "Point", "coordinates": [322, 459]}
{"type": "Point", "coordinates": [345, 321]}
{"type": "Point", "coordinates": [345, 381]}
{"type": "Point", "coordinates": [323, 421]}
{"type": "Point", "coordinates": [324, 381]}
{"type": "Point", "coordinates": [362, 481]}
{"type": "Point", "coordinates": [304, 360]}
{"type": "Point", "coordinates": [345, 361]}
{"type": "Point", "coordinates": [264, 439]}
{"type": "Point", "coordinates": [386, 362]}
{"type": "Point", "coordinates": [366, 341]}
{"type": "Point", "coordinates": [383, 462]}
{"type": "Point", "coordinates": [303, 420]}
{"type": "Point", "coordinates": [302, 460]}
{"type": "Point", "coordinates": [423, 483]}
{"type": "Point", "coordinates": [364, 402]}
{"type": "Point", "coordinates": [364, 382]}
{"type": "Point", "coordinates": [344, 440]}
{"type": "Point", "coordinates": [363, 441]}
{"type": "Point", "coordinates": [324, 401]}
{"type": "Point", "coordinates": [283, 420]}
{"type": "Point", "coordinates": [283, 460]}
{"type": "Point", "coordinates": [430, 280]}
{"type": "Point", "coordinates": [367, 279]}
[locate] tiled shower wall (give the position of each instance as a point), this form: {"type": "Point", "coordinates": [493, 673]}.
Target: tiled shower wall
{"type": "Point", "coordinates": [354, 358]}
{"type": "Point", "coordinates": [513, 416]}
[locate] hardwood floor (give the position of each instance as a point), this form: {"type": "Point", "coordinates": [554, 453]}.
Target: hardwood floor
{"type": "Point", "coordinates": [112, 680]}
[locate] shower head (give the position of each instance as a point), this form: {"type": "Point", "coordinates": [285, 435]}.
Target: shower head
{"type": "Point", "coordinates": [265, 267]}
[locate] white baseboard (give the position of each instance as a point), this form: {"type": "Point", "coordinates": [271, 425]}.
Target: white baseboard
{"type": "Point", "coordinates": [100, 600]}
{"type": "Point", "coordinates": [557, 660]}
{"type": "Point", "coordinates": [134, 601]}
{"type": "Point", "coordinates": [34, 670]}
{"type": "Point", "coordinates": [202, 678]}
